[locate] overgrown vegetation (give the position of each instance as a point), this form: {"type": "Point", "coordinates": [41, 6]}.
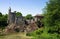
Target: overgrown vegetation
{"type": "Point", "coordinates": [51, 22]}
{"type": "Point", "coordinates": [52, 15]}
{"type": "Point", "coordinates": [3, 20]}
{"type": "Point", "coordinates": [41, 34]}
{"type": "Point", "coordinates": [29, 17]}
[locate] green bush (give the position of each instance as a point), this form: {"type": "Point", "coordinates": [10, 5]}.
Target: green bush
{"type": "Point", "coordinates": [17, 30]}
{"type": "Point", "coordinates": [39, 34]}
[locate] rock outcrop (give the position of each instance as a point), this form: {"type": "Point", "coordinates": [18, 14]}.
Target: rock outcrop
{"type": "Point", "coordinates": [31, 27]}
{"type": "Point", "coordinates": [14, 28]}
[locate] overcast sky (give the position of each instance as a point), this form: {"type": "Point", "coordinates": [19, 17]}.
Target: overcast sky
{"type": "Point", "coordinates": [24, 6]}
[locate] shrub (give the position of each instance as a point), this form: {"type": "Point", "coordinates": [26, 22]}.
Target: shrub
{"type": "Point", "coordinates": [39, 34]}
{"type": "Point", "coordinates": [17, 30]}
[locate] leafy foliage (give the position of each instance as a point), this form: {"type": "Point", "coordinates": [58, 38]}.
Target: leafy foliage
{"type": "Point", "coordinates": [52, 15]}
{"type": "Point", "coordinates": [3, 20]}
{"type": "Point", "coordinates": [40, 34]}
{"type": "Point", "coordinates": [18, 14]}
{"type": "Point", "coordinates": [29, 16]}
{"type": "Point", "coordinates": [51, 22]}
{"type": "Point", "coordinates": [0, 14]}
{"type": "Point", "coordinates": [52, 12]}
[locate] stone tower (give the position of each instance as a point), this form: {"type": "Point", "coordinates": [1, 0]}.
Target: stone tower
{"type": "Point", "coordinates": [11, 16]}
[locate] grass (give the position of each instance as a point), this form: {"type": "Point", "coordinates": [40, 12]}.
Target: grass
{"type": "Point", "coordinates": [16, 36]}
{"type": "Point", "coordinates": [39, 34]}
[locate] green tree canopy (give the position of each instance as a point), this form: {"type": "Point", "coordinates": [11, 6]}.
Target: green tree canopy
{"type": "Point", "coordinates": [0, 14]}
{"type": "Point", "coordinates": [3, 20]}
{"type": "Point", "coordinates": [29, 16]}
{"type": "Point", "coordinates": [18, 14]}
{"type": "Point", "coordinates": [52, 15]}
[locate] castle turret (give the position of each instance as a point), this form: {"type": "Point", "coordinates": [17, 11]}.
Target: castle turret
{"type": "Point", "coordinates": [11, 16]}
{"type": "Point", "coordinates": [9, 9]}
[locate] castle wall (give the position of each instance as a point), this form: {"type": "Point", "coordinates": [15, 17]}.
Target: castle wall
{"type": "Point", "coordinates": [12, 18]}
{"type": "Point", "coordinates": [19, 20]}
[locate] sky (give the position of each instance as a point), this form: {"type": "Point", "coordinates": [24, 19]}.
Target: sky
{"type": "Point", "coordinates": [24, 6]}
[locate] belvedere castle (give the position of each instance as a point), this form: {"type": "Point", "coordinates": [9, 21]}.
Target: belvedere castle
{"type": "Point", "coordinates": [12, 18]}
{"type": "Point", "coordinates": [15, 23]}
{"type": "Point", "coordinates": [19, 23]}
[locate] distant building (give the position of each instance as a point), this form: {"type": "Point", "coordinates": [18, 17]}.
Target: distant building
{"type": "Point", "coordinates": [38, 17]}
{"type": "Point", "coordinates": [35, 19]}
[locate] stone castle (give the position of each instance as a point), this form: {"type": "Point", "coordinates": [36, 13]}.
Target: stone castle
{"type": "Point", "coordinates": [12, 18]}
{"type": "Point", "coordinates": [15, 23]}
{"type": "Point", "coordinates": [18, 23]}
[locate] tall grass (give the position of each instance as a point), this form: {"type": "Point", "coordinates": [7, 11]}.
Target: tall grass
{"type": "Point", "coordinates": [41, 34]}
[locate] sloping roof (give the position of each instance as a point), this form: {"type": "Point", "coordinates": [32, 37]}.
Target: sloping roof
{"type": "Point", "coordinates": [39, 16]}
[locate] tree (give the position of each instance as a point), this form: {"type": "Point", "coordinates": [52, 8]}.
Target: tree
{"type": "Point", "coordinates": [3, 20]}
{"type": "Point", "coordinates": [18, 14]}
{"type": "Point", "coordinates": [29, 16]}
{"type": "Point", "coordinates": [0, 14]}
{"type": "Point", "coordinates": [52, 15]}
